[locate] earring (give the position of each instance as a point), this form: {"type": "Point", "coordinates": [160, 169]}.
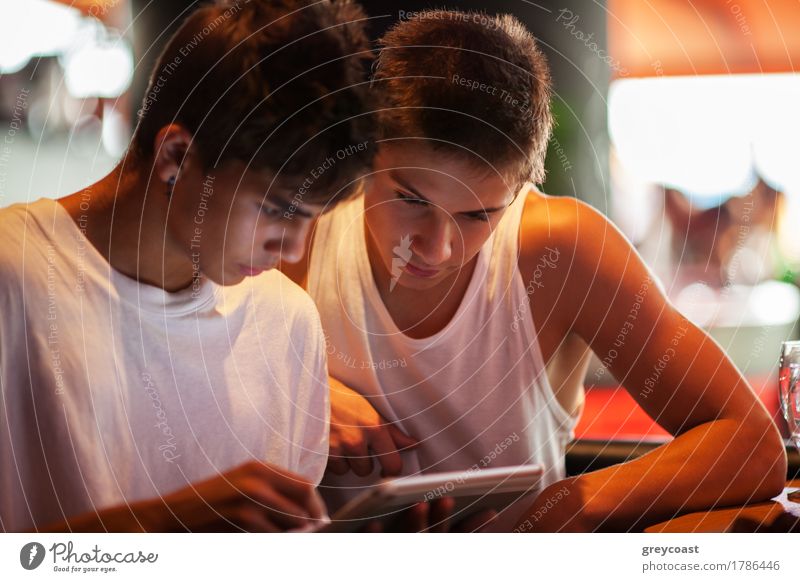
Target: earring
{"type": "Point", "coordinates": [170, 185]}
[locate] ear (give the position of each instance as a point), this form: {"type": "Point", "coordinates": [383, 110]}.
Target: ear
{"type": "Point", "coordinates": [171, 151]}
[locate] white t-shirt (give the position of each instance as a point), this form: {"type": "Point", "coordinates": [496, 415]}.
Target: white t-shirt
{"type": "Point", "coordinates": [114, 391]}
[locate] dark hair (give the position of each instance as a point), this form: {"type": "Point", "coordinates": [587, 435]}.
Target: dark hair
{"type": "Point", "coordinates": [471, 84]}
{"type": "Point", "coordinates": [278, 84]}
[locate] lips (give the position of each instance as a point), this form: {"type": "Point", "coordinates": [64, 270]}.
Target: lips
{"type": "Point", "coordinates": [253, 271]}
{"type": "Point", "coordinates": [418, 272]}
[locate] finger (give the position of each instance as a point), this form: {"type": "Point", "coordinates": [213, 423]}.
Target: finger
{"type": "Point", "coordinates": [358, 457]}
{"type": "Point", "coordinates": [200, 507]}
{"type": "Point", "coordinates": [293, 486]}
{"type": "Point", "coordinates": [283, 512]}
{"type": "Point", "coordinates": [338, 465]}
{"type": "Point", "coordinates": [283, 494]}
{"type": "Point", "coordinates": [303, 496]}
{"type": "Point", "coordinates": [440, 511]}
{"type": "Point", "coordinates": [361, 465]}
{"type": "Point", "coordinates": [386, 453]}
{"type": "Point", "coordinates": [315, 505]}
{"type": "Point", "coordinates": [401, 440]}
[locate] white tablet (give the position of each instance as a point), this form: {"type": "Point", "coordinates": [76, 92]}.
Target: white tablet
{"type": "Point", "coordinates": [473, 490]}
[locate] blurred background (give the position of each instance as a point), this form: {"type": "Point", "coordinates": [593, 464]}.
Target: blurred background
{"type": "Point", "coordinates": [678, 119]}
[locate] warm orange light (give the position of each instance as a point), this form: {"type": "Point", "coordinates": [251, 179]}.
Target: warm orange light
{"type": "Point", "coordinates": [704, 37]}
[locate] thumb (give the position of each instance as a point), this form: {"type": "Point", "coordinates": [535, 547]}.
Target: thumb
{"type": "Point", "coordinates": [401, 439]}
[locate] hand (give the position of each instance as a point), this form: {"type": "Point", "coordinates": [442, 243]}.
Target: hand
{"type": "Point", "coordinates": [252, 497]}
{"type": "Point", "coordinates": [358, 432]}
{"type": "Point", "coordinates": [559, 508]}
{"type": "Point", "coordinates": [435, 517]}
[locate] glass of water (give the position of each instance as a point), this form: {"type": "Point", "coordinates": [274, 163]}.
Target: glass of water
{"type": "Point", "coordinates": [789, 385]}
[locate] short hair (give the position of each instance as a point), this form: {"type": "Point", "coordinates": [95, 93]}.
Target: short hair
{"type": "Point", "coordinates": [471, 84]}
{"type": "Point", "coordinates": [278, 84]}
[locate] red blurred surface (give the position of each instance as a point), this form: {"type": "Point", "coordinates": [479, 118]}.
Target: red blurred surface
{"type": "Point", "coordinates": [610, 413]}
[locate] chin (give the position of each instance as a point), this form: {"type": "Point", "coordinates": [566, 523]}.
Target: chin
{"type": "Point", "coordinates": [225, 279]}
{"type": "Point", "coordinates": [235, 279]}
{"type": "Point", "coordinates": [413, 283]}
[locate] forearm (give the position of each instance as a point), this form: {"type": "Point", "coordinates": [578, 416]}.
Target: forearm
{"type": "Point", "coordinates": [133, 518]}
{"type": "Point", "coordinates": [719, 463]}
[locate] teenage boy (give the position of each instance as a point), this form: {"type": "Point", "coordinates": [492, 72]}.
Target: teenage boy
{"type": "Point", "coordinates": [460, 304]}
{"type": "Point", "coordinates": [157, 373]}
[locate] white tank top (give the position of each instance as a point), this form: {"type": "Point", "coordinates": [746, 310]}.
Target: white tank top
{"type": "Point", "coordinates": [475, 394]}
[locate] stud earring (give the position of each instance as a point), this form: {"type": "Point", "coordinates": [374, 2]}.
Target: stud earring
{"type": "Point", "coordinates": [170, 185]}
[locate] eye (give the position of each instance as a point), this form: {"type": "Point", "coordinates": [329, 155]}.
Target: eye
{"type": "Point", "coordinates": [482, 216]}
{"type": "Point", "coordinates": [271, 211]}
{"type": "Point", "coordinates": [410, 200]}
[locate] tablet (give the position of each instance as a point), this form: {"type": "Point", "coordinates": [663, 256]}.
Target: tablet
{"type": "Point", "coordinates": [474, 490]}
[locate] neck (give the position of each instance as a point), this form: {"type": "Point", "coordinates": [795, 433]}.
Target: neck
{"type": "Point", "coordinates": [124, 218]}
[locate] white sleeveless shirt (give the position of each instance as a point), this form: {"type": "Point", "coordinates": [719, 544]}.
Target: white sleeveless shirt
{"type": "Point", "coordinates": [475, 394]}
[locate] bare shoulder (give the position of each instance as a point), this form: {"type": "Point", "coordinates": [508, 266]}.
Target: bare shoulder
{"type": "Point", "coordinates": [587, 255]}
{"type": "Point", "coordinates": [600, 271]}
{"type": "Point", "coordinates": [586, 243]}
{"type": "Point", "coordinates": [553, 233]}
{"type": "Point", "coordinates": [558, 219]}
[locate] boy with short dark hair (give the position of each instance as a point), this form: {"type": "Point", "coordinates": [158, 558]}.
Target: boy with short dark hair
{"type": "Point", "coordinates": [460, 305]}
{"type": "Point", "coordinates": [157, 373]}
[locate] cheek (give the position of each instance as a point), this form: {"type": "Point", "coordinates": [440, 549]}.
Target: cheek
{"type": "Point", "coordinates": [382, 223]}
{"type": "Point", "coordinates": [245, 227]}
{"type": "Point", "coordinates": [474, 237]}
{"type": "Point", "coordinates": [181, 221]}
{"type": "Point", "coordinates": [382, 209]}
{"type": "Point", "coordinates": [232, 236]}
{"type": "Point", "coordinates": [468, 242]}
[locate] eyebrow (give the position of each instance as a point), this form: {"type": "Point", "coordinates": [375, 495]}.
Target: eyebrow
{"type": "Point", "coordinates": [280, 200]}
{"type": "Point", "coordinates": [421, 197]}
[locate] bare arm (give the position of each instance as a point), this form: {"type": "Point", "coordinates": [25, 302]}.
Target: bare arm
{"type": "Point", "coordinates": [359, 433]}
{"type": "Point", "coordinates": [726, 450]}
{"type": "Point", "coordinates": [252, 497]}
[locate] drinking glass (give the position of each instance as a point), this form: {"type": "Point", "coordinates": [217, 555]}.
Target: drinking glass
{"type": "Point", "coordinates": [789, 386]}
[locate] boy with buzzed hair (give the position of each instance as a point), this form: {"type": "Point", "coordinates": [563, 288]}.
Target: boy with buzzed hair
{"type": "Point", "coordinates": [157, 373]}
{"type": "Point", "coordinates": [478, 344]}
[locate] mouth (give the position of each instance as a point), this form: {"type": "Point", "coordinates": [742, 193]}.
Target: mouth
{"type": "Point", "coordinates": [253, 271]}
{"type": "Point", "coordinates": [423, 273]}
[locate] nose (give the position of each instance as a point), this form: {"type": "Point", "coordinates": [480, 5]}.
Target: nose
{"type": "Point", "coordinates": [434, 246]}
{"type": "Point", "coordinates": [293, 241]}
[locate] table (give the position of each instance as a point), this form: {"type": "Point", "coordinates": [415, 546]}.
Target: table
{"type": "Point", "coordinates": [777, 515]}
